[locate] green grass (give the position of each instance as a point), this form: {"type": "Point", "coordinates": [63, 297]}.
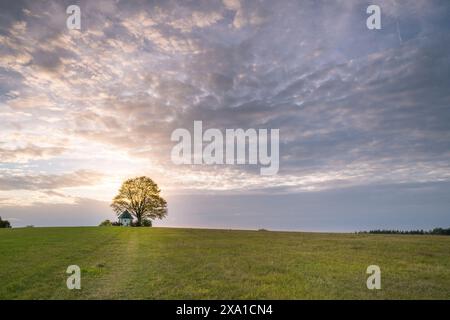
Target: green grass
{"type": "Point", "coordinates": [163, 263]}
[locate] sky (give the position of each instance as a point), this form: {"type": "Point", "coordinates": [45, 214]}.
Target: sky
{"type": "Point", "coordinates": [364, 115]}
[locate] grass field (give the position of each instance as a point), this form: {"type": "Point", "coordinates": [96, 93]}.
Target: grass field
{"type": "Point", "coordinates": [164, 263]}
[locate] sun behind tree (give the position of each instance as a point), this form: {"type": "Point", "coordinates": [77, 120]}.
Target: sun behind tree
{"type": "Point", "coordinates": [140, 196]}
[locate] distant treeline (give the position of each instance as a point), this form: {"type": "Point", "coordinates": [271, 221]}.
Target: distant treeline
{"type": "Point", "coordinates": [435, 231]}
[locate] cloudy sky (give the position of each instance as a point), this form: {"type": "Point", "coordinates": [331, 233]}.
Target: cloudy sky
{"type": "Point", "coordinates": [364, 115]}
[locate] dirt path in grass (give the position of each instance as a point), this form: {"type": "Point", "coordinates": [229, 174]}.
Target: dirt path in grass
{"type": "Point", "coordinates": [115, 279]}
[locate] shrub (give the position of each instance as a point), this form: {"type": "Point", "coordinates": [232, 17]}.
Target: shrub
{"type": "Point", "coordinates": [146, 223]}
{"type": "Point", "coordinates": [4, 223]}
{"type": "Point", "coordinates": [105, 223]}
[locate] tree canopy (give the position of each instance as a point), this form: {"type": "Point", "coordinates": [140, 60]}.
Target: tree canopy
{"type": "Point", "coordinates": [141, 197]}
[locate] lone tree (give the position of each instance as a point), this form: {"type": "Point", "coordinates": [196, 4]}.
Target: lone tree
{"type": "Point", "coordinates": [140, 196]}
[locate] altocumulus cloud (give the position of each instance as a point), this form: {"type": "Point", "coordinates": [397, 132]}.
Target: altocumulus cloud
{"type": "Point", "coordinates": [48, 181]}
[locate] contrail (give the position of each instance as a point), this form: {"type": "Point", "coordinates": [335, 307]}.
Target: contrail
{"type": "Point", "coordinates": [394, 3]}
{"type": "Point", "coordinates": [398, 32]}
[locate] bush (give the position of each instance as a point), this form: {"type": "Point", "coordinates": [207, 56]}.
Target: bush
{"type": "Point", "coordinates": [144, 223]}
{"type": "Point", "coordinates": [105, 223]}
{"type": "Point", "coordinates": [4, 223]}
{"type": "Point", "coordinates": [116, 224]}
